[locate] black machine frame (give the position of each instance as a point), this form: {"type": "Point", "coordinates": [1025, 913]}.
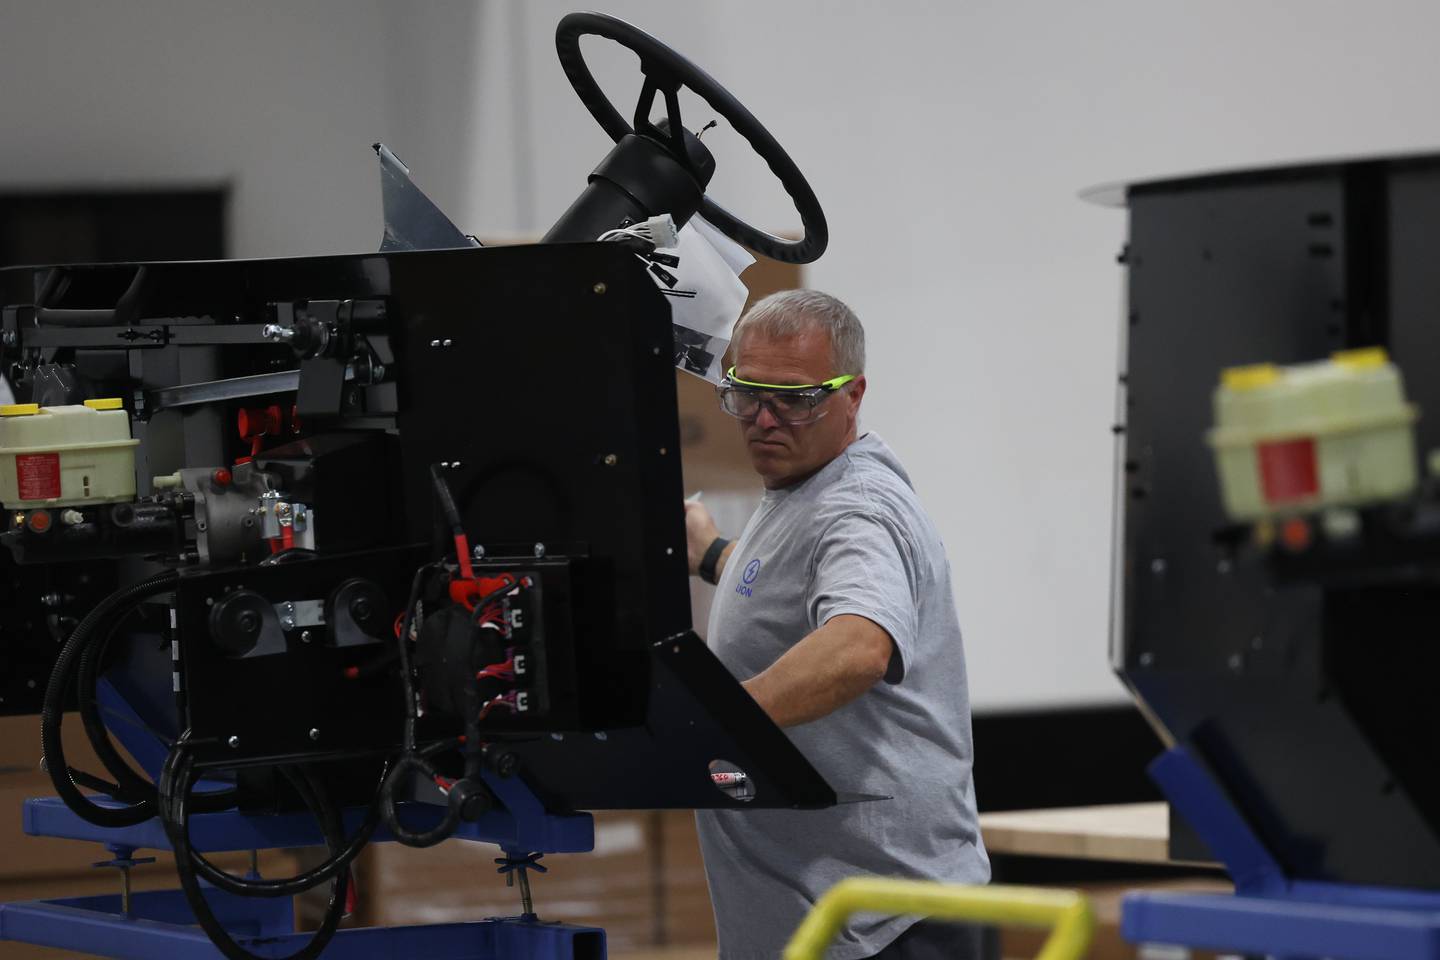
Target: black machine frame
{"type": "Point", "coordinates": [1301, 680]}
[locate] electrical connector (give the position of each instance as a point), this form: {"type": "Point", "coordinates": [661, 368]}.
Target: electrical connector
{"type": "Point", "coordinates": [661, 230]}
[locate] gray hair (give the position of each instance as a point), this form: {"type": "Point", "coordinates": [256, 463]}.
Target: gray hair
{"type": "Point", "coordinates": [790, 313]}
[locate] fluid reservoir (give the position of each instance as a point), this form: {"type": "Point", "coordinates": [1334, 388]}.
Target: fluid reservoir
{"type": "Point", "coordinates": [66, 456]}
{"type": "Point", "coordinates": [1290, 440]}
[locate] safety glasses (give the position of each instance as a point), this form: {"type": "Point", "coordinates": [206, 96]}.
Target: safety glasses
{"type": "Point", "coordinates": [793, 405]}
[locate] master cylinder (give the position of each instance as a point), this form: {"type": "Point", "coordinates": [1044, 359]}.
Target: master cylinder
{"type": "Point", "coordinates": [1291, 440]}
{"type": "Point", "coordinates": [66, 456]}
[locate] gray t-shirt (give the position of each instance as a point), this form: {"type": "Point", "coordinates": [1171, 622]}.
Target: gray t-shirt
{"type": "Point", "coordinates": [850, 539]}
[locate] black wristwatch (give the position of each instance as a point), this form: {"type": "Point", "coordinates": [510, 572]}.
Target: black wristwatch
{"type": "Point", "coordinates": [711, 558]}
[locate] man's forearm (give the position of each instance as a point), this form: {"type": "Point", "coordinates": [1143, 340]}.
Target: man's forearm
{"type": "Point", "coordinates": [828, 669]}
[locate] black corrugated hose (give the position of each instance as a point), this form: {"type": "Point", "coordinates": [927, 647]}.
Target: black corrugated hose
{"type": "Point", "coordinates": [113, 607]}
{"type": "Point", "coordinates": [82, 652]}
{"type": "Point", "coordinates": [176, 780]}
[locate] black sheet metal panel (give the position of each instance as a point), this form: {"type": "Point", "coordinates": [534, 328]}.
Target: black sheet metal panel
{"type": "Point", "coordinates": [1289, 692]}
{"type": "Point", "coordinates": [696, 714]}
{"type": "Point", "coordinates": [263, 706]}
{"type": "Point", "coordinates": [545, 372]}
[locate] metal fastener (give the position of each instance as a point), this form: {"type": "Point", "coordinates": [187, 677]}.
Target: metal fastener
{"type": "Point", "coordinates": [314, 734]}
{"type": "Point", "coordinates": [434, 343]}
{"type": "Point", "coordinates": [234, 743]}
{"type": "Point", "coordinates": [1157, 566]}
{"type": "Point", "coordinates": [600, 735]}
{"type": "Point", "coordinates": [446, 342]}
{"type": "Point", "coordinates": [1146, 659]}
{"type": "Point", "coordinates": [611, 459]}
{"type": "Point", "coordinates": [478, 553]}
{"type": "Point", "coordinates": [304, 636]}
{"type": "Point", "coordinates": [11, 338]}
{"type": "Point", "coordinates": [539, 550]}
{"type": "Point", "coordinates": [599, 288]}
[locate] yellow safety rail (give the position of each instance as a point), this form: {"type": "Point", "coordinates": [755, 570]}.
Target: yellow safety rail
{"type": "Point", "coordinates": [1065, 911]}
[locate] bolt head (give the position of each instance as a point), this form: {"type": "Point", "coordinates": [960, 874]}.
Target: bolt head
{"type": "Point", "coordinates": [599, 288]}
{"type": "Point", "coordinates": [478, 553]}
{"type": "Point", "coordinates": [611, 459]}
{"type": "Point", "coordinates": [539, 550]}
{"type": "Point", "coordinates": [233, 742]}
{"type": "Point", "coordinates": [314, 734]}
{"type": "Point", "coordinates": [1157, 566]}
{"type": "Point", "coordinates": [304, 636]}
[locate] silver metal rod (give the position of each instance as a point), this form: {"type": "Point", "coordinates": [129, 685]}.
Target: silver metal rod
{"type": "Point", "coordinates": [526, 906]}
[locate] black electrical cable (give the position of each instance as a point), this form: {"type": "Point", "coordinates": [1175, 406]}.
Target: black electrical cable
{"type": "Point", "coordinates": [410, 838]}
{"type": "Point", "coordinates": [304, 782]}
{"type": "Point", "coordinates": [406, 677]}
{"type": "Point", "coordinates": [288, 555]}
{"type": "Point", "coordinates": [116, 604]}
{"type": "Point", "coordinates": [447, 500]}
{"type": "Point", "coordinates": [175, 782]}
{"type": "Point", "coordinates": [411, 760]}
{"type": "Point", "coordinates": [130, 786]}
{"type": "Point", "coordinates": [491, 597]}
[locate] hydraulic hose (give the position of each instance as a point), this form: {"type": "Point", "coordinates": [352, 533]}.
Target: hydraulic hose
{"type": "Point", "coordinates": [113, 606]}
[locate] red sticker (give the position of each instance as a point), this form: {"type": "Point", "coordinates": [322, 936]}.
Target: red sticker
{"type": "Point", "coordinates": [38, 475]}
{"type": "Point", "coordinates": [1288, 471]}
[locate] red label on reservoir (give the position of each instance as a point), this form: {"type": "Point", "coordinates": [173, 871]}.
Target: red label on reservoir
{"type": "Point", "coordinates": [38, 475]}
{"type": "Point", "coordinates": [1288, 471]}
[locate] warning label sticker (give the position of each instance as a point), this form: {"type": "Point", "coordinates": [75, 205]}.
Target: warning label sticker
{"type": "Point", "coordinates": [38, 475]}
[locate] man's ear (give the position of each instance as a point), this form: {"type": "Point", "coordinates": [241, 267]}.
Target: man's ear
{"type": "Point", "coordinates": [857, 393]}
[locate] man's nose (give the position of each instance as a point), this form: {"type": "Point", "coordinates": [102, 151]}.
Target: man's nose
{"type": "Point", "coordinates": [766, 419]}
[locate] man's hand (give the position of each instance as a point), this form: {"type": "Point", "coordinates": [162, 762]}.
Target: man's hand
{"type": "Point", "coordinates": [823, 672]}
{"type": "Point", "coordinates": [700, 532]}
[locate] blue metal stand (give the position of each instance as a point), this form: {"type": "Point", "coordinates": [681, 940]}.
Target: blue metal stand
{"type": "Point", "coordinates": [1269, 913]}
{"type": "Point", "coordinates": [160, 924]}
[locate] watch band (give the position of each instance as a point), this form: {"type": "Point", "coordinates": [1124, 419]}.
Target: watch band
{"type": "Point", "coordinates": [711, 558]}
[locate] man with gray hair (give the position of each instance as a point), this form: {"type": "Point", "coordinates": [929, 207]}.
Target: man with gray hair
{"type": "Point", "coordinates": [835, 610]}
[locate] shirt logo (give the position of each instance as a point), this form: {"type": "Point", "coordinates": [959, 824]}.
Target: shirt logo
{"type": "Point", "coordinates": [752, 570]}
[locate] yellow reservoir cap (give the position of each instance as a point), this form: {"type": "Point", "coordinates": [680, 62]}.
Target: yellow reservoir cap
{"type": "Point", "coordinates": [1365, 358]}
{"type": "Point", "coordinates": [105, 403]}
{"type": "Point", "coordinates": [19, 409]}
{"type": "Point", "coordinates": [1253, 377]}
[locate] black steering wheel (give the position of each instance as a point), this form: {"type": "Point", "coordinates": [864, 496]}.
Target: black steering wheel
{"type": "Point", "coordinates": [666, 72]}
